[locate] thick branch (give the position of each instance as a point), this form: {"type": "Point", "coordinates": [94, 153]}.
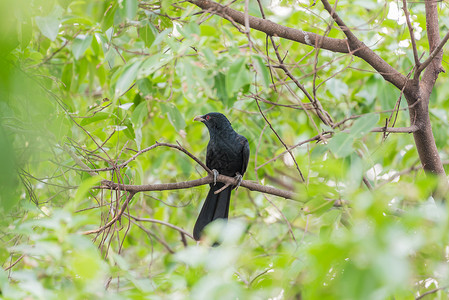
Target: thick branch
{"type": "Point", "coordinates": [354, 46]}
{"type": "Point", "coordinates": [107, 184]}
{"type": "Point", "coordinates": [273, 29]}
{"type": "Point", "coordinates": [339, 21]}
{"type": "Point", "coordinates": [434, 64]}
{"type": "Point", "coordinates": [358, 48]}
{"type": "Point", "coordinates": [419, 114]}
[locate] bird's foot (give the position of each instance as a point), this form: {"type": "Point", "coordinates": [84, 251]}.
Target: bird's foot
{"type": "Point", "coordinates": [215, 176]}
{"type": "Point", "coordinates": [239, 179]}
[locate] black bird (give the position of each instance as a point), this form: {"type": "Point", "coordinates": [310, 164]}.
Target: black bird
{"type": "Point", "coordinates": [227, 154]}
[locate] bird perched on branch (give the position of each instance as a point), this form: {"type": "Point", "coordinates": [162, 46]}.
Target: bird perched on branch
{"type": "Point", "coordinates": [227, 154]}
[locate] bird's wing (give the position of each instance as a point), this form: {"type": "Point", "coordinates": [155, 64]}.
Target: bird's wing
{"type": "Point", "coordinates": [245, 154]}
{"type": "Point", "coordinates": [209, 155]}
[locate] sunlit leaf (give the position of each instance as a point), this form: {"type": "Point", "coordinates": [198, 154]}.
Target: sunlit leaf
{"type": "Point", "coordinates": [85, 186]}
{"type": "Point", "coordinates": [126, 106]}
{"type": "Point", "coordinates": [127, 78]}
{"type": "Point", "coordinates": [363, 125]}
{"type": "Point", "coordinates": [174, 116]}
{"type": "Point", "coordinates": [95, 118]}
{"type": "Point", "coordinates": [128, 9]}
{"type": "Point", "coordinates": [262, 71]}
{"type": "Point", "coordinates": [237, 76]}
{"type": "Point", "coordinates": [139, 114]}
{"type": "Point", "coordinates": [341, 144]}
{"type": "Point", "coordinates": [49, 25]}
{"type": "Point", "coordinates": [80, 45]}
{"type": "Point", "coordinates": [148, 34]}
{"type": "Point", "coordinates": [337, 87]}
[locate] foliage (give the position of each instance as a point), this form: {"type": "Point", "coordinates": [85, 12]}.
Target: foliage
{"type": "Point", "coordinates": [95, 81]}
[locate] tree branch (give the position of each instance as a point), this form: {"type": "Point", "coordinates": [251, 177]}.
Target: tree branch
{"type": "Point", "coordinates": [359, 49]}
{"type": "Point", "coordinates": [433, 63]}
{"type": "Point", "coordinates": [412, 35]}
{"type": "Point", "coordinates": [124, 164]}
{"type": "Point", "coordinates": [352, 46]}
{"type": "Point", "coordinates": [433, 54]}
{"type": "Point", "coordinates": [271, 28]}
{"type": "Point", "coordinates": [339, 21]}
{"type": "Point", "coordinates": [107, 184]}
{"type": "Point", "coordinates": [410, 129]}
{"type": "Point", "coordinates": [14, 263]}
{"type": "Point", "coordinates": [115, 218]}
{"type": "Point", "coordinates": [430, 292]}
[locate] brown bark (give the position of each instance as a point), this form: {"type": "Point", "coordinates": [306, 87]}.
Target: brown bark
{"type": "Point", "coordinates": [420, 94]}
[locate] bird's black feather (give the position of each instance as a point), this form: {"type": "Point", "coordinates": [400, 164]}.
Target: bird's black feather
{"type": "Point", "coordinates": [228, 153]}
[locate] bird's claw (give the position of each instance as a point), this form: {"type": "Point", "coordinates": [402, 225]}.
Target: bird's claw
{"type": "Point", "coordinates": [239, 179]}
{"type": "Point", "coordinates": [215, 176]}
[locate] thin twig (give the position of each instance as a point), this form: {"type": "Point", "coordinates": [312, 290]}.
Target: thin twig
{"type": "Point", "coordinates": [433, 54]}
{"type": "Point", "coordinates": [157, 144]}
{"type": "Point", "coordinates": [315, 138]}
{"type": "Point", "coordinates": [116, 217]}
{"type": "Point", "coordinates": [430, 292]}
{"type": "Point", "coordinates": [412, 35]}
{"type": "Point", "coordinates": [162, 223]}
{"type": "Point", "coordinates": [150, 233]}
{"type": "Point", "coordinates": [280, 139]}
{"type": "Point", "coordinates": [15, 263]}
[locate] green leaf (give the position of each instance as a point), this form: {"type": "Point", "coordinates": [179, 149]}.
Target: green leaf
{"type": "Point", "coordinates": [174, 116]}
{"type": "Point", "coordinates": [26, 30]}
{"type": "Point", "coordinates": [151, 64]}
{"type": "Point", "coordinates": [85, 187]}
{"type": "Point", "coordinates": [337, 87]}
{"type": "Point", "coordinates": [80, 45]}
{"type": "Point", "coordinates": [127, 77]}
{"type": "Point", "coordinates": [207, 30]}
{"type": "Point", "coordinates": [148, 34]}
{"type": "Point", "coordinates": [317, 205]}
{"type": "Point", "coordinates": [49, 25]}
{"type": "Point", "coordinates": [209, 55]}
{"type": "Point", "coordinates": [99, 116]}
{"type": "Point", "coordinates": [263, 73]}
{"type": "Point", "coordinates": [128, 129]}
{"type": "Point", "coordinates": [363, 125]}
{"type": "Point", "coordinates": [220, 87]}
{"type": "Point", "coordinates": [145, 86]}
{"type": "Point", "coordinates": [108, 19]}
{"type": "Point", "coordinates": [67, 75]}
{"type": "Point", "coordinates": [388, 95]}
{"type": "Point", "coordinates": [128, 9]}
{"type": "Point", "coordinates": [95, 44]}
{"type": "Point", "coordinates": [341, 144]}
{"type": "Point", "coordinates": [139, 114]}
{"type": "Point", "coordinates": [369, 90]}
{"type": "Point", "coordinates": [126, 106]}
{"type": "Point", "coordinates": [238, 76]}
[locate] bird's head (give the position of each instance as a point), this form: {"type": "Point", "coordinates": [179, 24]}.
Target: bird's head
{"type": "Point", "coordinates": [214, 121]}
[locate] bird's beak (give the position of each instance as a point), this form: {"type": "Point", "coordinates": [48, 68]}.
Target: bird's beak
{"type": "Point", "coordinates": [199, 118]}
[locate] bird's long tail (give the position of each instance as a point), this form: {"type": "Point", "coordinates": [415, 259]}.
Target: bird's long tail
{"type": "Point", "coordinates": [215, 207]}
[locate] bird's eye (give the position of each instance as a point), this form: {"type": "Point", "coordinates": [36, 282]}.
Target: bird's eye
{"type": "Point", "coordinates": [207, 118]}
